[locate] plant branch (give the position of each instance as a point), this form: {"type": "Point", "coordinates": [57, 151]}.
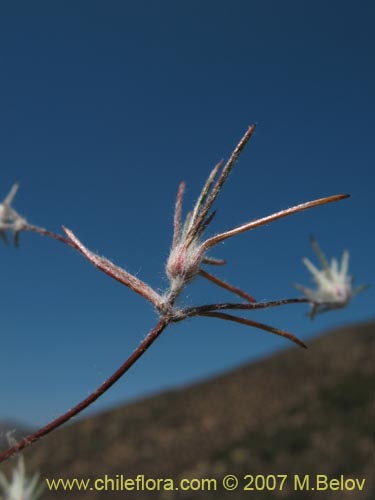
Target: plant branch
{"type": "Point", "coordinates": [226, 285]}
{"type": "Point", "coordinates": [255, 324]}
{"type": "Point", "coordinates": [270, 218]}
{"type": "Point", "coordinates": [50, 234]}
{"type": "Point", "coordinates": [54, 424]}
{"type": "Point", "coordinates": [118, 273]}
{"type": "Point", "coordinates": [198, 310]}
{"type": "Point", "coordinates": [187, 255]}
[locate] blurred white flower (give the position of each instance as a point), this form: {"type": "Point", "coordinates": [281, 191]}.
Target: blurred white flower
{"type": "Point", "coordinates": [9, 218]}
{"type": "Point", "coordinates": [20, 487]}
{"type": "Point", "coordinates": [334, 285]}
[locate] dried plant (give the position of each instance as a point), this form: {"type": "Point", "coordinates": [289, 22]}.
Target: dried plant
{"type": "Point", "coordinates": [188, 256]}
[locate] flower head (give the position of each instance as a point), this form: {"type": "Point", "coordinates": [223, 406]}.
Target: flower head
{"type": "Point", "coordinates": [188, 252]}
{"type": "Point", "coordinates": [10, 219]}
{"type": "Point", "coordinates": [334, 285]}
{"type": "Point", "coordinates": [20, 487]}
{"type": "Point", "coordinates": [189, 247]}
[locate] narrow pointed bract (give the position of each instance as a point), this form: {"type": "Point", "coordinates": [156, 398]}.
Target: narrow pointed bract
{"type": "Point", "coordinates": [177, 214]}
{"type": "Point", "coordinates": [270, 218]}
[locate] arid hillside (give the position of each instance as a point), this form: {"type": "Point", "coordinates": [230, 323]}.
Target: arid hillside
{"type": "Point", "coordinates": [297, 412]}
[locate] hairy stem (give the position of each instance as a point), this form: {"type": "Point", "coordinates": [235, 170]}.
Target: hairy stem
{"type": "Point", "coordinates": [54, 424]}
{"type": "Point", "coordinates": [50, 234]}
{"type": "Point", "coordinates": [117, 273]}
{"type": "Point", "coordinates": [103, 264]}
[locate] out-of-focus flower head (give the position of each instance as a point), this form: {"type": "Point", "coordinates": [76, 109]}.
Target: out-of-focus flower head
{"type": "Point", "coordinates": [10, 219]}
{"type": "Point", "coordinates": [333, 283]}
{"type": "Point", "coordinates": [20, 487]}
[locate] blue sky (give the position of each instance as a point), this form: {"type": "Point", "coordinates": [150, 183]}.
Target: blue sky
{"type": "Point", "coordinates": [105, 108]}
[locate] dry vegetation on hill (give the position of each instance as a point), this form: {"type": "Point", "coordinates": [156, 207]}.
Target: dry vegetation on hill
{"type": "Point", "coordinates": [297, 412]}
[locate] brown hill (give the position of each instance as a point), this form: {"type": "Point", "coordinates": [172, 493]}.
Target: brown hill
{"type": "Point", "coordinates": [297, 412]}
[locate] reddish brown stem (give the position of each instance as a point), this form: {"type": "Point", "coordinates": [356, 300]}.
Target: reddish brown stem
{"type": "Point", "coordinates": [227, 286]}
{"type": "Point", "coordinates": [54, 424]}
{"type": "Point", "coordinates": [270, 218]}
{"type": "Point", "coordinates": [256, 324]}
{"type": "Point", "coordinates": [198, 310]}
{"type": "Point", "coordinates": [117, 273]}
{"type": "Point", "coordinates": [214, 262]}
{"type": "Point", "coordinates": [50, 234]}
